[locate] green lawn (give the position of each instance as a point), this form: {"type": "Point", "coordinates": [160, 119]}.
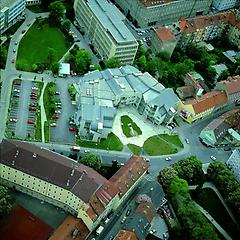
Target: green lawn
{"type": "Point", "coordinates": [49, 100]}
{"type": "Point", "coordinates": [38, 128]}
{"type": "Point", "coordinates": [174, 139]}
{"type": "Point", "coordinates": [111, 143]}
{"type": "Point", "coordinates": [35, 44]}
{"type": "Point", "coordinates": [125, 121]}
{"type": "Point", "coordinates": [154, 146]}
{"type": "Point", "coordinates": [46, 131]}
{"type": "Point", "coordinates": [136, 150]}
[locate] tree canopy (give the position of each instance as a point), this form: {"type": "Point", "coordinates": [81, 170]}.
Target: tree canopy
{"type": "Point", "coordinates": [166, 175]}
{"type": "Point", "coordinates": [5, 201]}
{"type": "Point", "coordinates": [112, 63]}
{"type": "Point", "coordinates": [92, 161]}
{"type": "Point", "coordinates": [57, 11]}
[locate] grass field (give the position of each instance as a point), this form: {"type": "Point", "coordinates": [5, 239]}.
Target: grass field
{"type": "Point", "coordinates": [46, 131]}
{"type": "Point", "coordinates": [126, 121]}
{"type": "Point", "coordinates": [111, 143]}
{"type": "Point", "coordinates": [174, 139]}
{"type": "Point", "coordinates": [154, 146]}
{"type": "Point", "coordinates": [49, 100]}
{"type": "Point", "coordinates": [35, 45]}
{"type": "Point", "coordinates": [136, 150]}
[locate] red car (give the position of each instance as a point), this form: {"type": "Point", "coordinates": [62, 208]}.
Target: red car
{"type": "Point", "coordinates": [30, 121]}
{"type": "Point", "coordinates": [72, 129]}
{"type": "Point", "coordinates": [34, 97]}
{"type": "Point", "coordinates": [23, 31]}
{"type": "Point", "coordinates": [32, 108]}
{"type": "Point", "coordinates": [34, 93]}
{"type": "Point", "coordinates": [55, 117]}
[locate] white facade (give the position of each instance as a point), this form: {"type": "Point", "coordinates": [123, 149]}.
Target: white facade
{"type": "Point", "coordinates": [234, 163]}
{"type": "Point", "coordinates": [33, 2]}
{"type": "Point", "coordinates": [224, 4]}
{"type": "Point", "coordinates": [11, 11]}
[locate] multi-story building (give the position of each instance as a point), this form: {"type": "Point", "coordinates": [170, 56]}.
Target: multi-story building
{"type": "Point", "coordinates": [100, 93]}
{"type": "Point", "coordinates": [65, 183]}
{"type": "Point", "coordinates": [164, 41]}
{"type": "Point", "coordinates": [104, 25]}
{"type": "Point", "coordinates": [10, 12]}
{"type": "Point", "coordinates": [231, 86]}
{"type": "Point", "coordinates": [217, 130]}
{"type": "Point", "coordinates": [221, 5]}
{"type": "Point", "coordinates": [148, 13]}
{"type": "Point", "coordinates": [33, 2]}
{"type": "Point", "coordinates": [203, 106]}
{"type": "Point", "coordinates": [234, 163]}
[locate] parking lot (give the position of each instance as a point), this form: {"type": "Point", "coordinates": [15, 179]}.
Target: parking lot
{"type": "Point", "coordinates": [61, 133]}
{"type": "Point", "coordinates": [23, 108]}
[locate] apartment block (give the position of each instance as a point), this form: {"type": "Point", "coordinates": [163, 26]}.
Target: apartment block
{"type": "Point", "coordinates": [149, 13]}
{"type": "Point", "coordinates": [10, 12]}
{"type": "Point", "coordinates": [104, 25]}
{"type": "Point", "coordinates": [101, 93]}
{"type": "Point", "coordinates": [221, 5]}
{"type": "Point", "coordinates": [234, 163]}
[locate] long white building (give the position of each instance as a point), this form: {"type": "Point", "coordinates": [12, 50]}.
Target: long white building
{"type": "Point", "coordinates": [104, 25]}
{"type": "Point", "coordinates": [11, 11]}
{"type": "Point", "coordinates": [221, 5]}
{"type": "Point", "coordinates": [234, 163]}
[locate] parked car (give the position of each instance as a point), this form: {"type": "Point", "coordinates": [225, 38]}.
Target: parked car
{"type": "Point", "coordinates": [124, 219]}
{"type": "Point", "coordinates": [30, 121]}
{"type": "Point", "coordinates": [34, 88]}
{"type": "Point", "coordinates": [13, 61]}
{"type": "Point", "coordinates": [34, 93]}
{"type": "Point", "coordinates": [168, 158]}
{"type": "Point", "coordinates": [16, 95]}
{"type": "Point", "coordinates": [55, 117]}
{"type": "Point", "coordinates": [57, 93]}
{"type": "Point", "coordinates": [14, 50]}
{"type": "Point", "coordinates": [34, 97]}
{"type": "Point", "coordinates": [213, 158]}
{"type": "Point", "coordinates": [86, 151]}
{"type": "Point", "coordinates": [23, 31]}
{"type": "Point", "coordinates": [32, 105]}
{"type": "Point", "coordinates": [16, 90]}
{"type": "Point", "coordinates": [16, 43]}
{"type": "Point", "coordinates": [13, 120]}
{"type": "Point", "coordinates": [72, 129]}
{"type": "Point", "coordinates": [187, 140]}
{"type": "Point", "coordinates": [59, 106]}
{"type": "Point", "coordinates": [32, 108]}
{"type": "Point", "coordinates": [53, 124]}
{"type": "Point", "coordinates": [128, 212]}
{"type": "Point", "coordinates": [58, 111]}
{"type": "Point", "coordinates": [71, 123]}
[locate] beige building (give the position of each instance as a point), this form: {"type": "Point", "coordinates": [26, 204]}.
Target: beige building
{"type": "Point", "coordinates": [65, 183]}
{"type": "Point", "coordinates": [149, 13]}
{"type": "Point", "coordinates": [104, 25]}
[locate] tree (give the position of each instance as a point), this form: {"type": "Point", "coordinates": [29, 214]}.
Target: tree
{"type": "Point", "coordinates": [66, 25]}
{"type": "Point", "coordinates": [224, 75]}
{"type": "Point", "coordinates": [3, 57]}
{"type": "Point", "coordinates": [96, 67]}
{"type": "Point", "coordinates": [55, 67]}
{"type": "Point", "coordinates": [141, 63]}
{"type": "Point", "coordinates": [112, 63]}
{"type": "Point", "coordinates": [51, 56]}
{"type": "Point", "coordinates": [92, 161]}
{"type": "Point", "coordinates": [166, 175]}
{"type": "Point", "coordinates": [46, 3]}
{"type": "Point", "coordinates": [83, 60]}
{"type": "Point", "coordinates": [57, 11]}
{"type": "Point", "coordinates": [5, 201]}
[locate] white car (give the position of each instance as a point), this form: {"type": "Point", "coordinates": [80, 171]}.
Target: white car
{"type": "Point", "coordinates": [53, 124]}
{"type": "Point", "coordinates": [34, 87]}
{"type": "Point", "coordinates": [124, 219]}
{"type": "Point", "coordinates": [86, 151]}
{"type": "Point", "coordinates": [13, 120]}
{"type": "Point", "coordinates": [187, 140]}
{"type": "Point", "coordinates": [57, 111]}
{"type": "Point", "coordinates": [168, 158]}
{"type": "Point", "coordinates": [213, 158]}
{"type": "Point", "coordinates": [16, 90]}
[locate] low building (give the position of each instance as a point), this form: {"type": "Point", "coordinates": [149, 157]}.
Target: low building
{"type": "Point", "coordinates": [232, 55]}
{"type": "Point", "coordinates": [101, 93]}
{"type": "Point", "coordinates": [221, 5]}
{"type": "Point", "coordinates": [219, 68]}
{"type": "Point", "coordinates": [164, 41]}
{"type": "Point", "coordinates": [217, 131]}
{"type": "Point", "coordinates": [64, 70]}
{"type": "Point", "coordinates": [125, 235]}
{"type": "Point", "coordinates": [231, 86]}
{"type": "Point", "coordinates": [104, 25]}
{"type": "Point", "coordinates": [203, 106]}
{"type": "Point", "coordinates": [65, 183]}
{"type": "Point", "coordinates": [11, 11]}
{"type": "Point", "coordinates": [234, 163]}
{"type": "Point", "coordinates": [33, 2]}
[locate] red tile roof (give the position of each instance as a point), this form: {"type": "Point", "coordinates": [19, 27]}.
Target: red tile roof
{"type": "Point", "coordinates": [128, 174]}
{"type": "Point", "coordinates": [125, 235]}
{"type": "Point", "coordinates": [208, 100]}
{"type": "Point", "coordinates": [148, 210]}
{"type": "Point", "coordinates": [165, 34]}
{"type": "Point", "coordinates": [192, 24]}
{"type": "Point", "coordinates": [232, 84]}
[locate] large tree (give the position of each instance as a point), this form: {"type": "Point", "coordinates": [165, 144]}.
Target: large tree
{"type": "Point", "coordinates": [83, 61]}
{"type": "Point", "coordinates": [3, 56]}
{"type": "Point", "coordinates": [166, 175]}
{"type": "Point", "coordinates": [57, 11]}
{"type": "Point", "coordinates": [5, 201]}
{"type": "Point", "coordinates": [66, 25]}
{"type": "Point", "coordinates": [112, 63]}
{"type": "Point", "coordinates": [92, 161]}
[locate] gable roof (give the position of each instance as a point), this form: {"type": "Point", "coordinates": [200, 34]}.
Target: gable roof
{"type": "Point", "coordinates": [128, 174]}
{"type": "Point", "coordinates": [52, 167]}
{"type": "Point", "coordinates": [232, 84]}
{"type": "Point", "coordinates": [125, 235]}
{"type": "Point", "coordinates": [207, 101]}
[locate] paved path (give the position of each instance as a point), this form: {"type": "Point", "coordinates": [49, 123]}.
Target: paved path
{"type": "Point", "coordinates": [216, 225]}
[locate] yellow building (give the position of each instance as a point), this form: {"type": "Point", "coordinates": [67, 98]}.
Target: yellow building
{"type": "Point", "coordinates": [61, 181]}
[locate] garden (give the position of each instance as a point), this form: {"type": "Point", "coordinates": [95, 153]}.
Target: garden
{"type": "Point", "coordinates": [129, 127]}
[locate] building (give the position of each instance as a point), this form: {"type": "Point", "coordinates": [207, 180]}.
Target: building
{"type": "Point", "coordinates": [232, 55]}
{"type": "Point", "coordinates": [164, 41]}
{"type": "Point", "coordinates": [231, 86]}
{"type": "Point", "coordinates": [217, 131]}
{"type": "Point", "coordinates": [65, 183]}
{"type": "Point", "coordinates": [11, 12]}
{"type": "Point", "coordinates": [147, 13]}
{"type": "Point", "coordinates": [125, 235]}
{"type": "Point", "coordinates": [33, 2]}
{"type": "Point", "coordinates": [203, 106]}
{"type": "Point", "coordinates": [234, 163]}
{"type": "Point", "coordinates": [221, 5]}
{"type": "Point", "coordinates": [64, 70]}
{"type": "Point", "coordinates": [101, 93]}
{"type": "Point", "coordinates": [104, 25]}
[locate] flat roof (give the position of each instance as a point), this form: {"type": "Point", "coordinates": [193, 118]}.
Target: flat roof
{"type": "Point", "coordinates": [112, 19]}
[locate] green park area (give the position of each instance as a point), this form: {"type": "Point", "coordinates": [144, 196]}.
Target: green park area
{"type": "Point", "coordinates": [174, 139]}
{"type": "Point", "coordinates": [136, 150]}
{"type": "Point", "coordinates": [42, 44]}
{"type": "Point", "coordinates": [112, 143]}
{"type": "Point", "coordinates": [155, 146]}
{"type": "Point", "coordinates": [129, 127]}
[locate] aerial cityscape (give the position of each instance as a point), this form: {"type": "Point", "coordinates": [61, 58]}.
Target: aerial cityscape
{"type": "Point", "coordinates": [119, 119]}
